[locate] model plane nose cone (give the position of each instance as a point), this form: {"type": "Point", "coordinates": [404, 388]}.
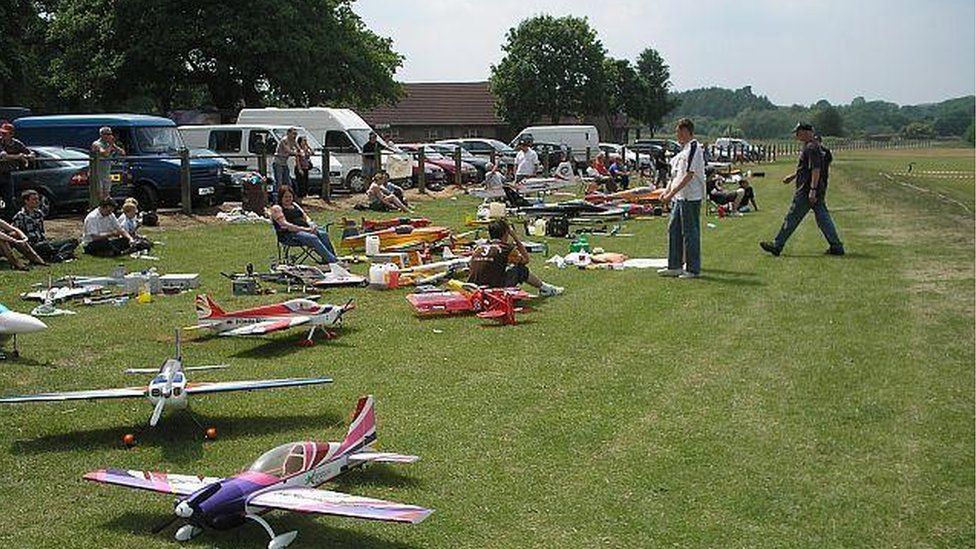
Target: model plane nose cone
{"type": "Point", "coordinates": [12, 323]}
{"type": "Point", "coordinates": [183, 510]}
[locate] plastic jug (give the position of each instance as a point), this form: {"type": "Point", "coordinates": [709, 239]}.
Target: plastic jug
{"type": "Point", "coordinates": [539, 226]}
{"type": "Point", "coordinates": [372, 245]}
{"type": "Point", "coordinates": [496, 210]}
{"type": "Point", "coordinates": [377, 273]}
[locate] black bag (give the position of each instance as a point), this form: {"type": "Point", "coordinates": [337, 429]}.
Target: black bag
{"type": "Point", "coordinates": [558, 227]}
{"type": "Point", "coordinates": [150, 219]}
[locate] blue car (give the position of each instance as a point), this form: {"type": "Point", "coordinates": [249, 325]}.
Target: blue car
{"type": "Point", "coordinates": [153, 182]}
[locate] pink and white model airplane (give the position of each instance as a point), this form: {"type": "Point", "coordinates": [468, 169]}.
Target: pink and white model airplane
{"type": "Point", "coordinates": [270, 318]}
{"type": "Point", "coordinates": [283, 478]}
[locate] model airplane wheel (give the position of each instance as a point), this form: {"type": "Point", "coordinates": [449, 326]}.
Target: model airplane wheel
{"type": "Point", "coordinates": [210, 433]}
{"type": "Point", "coordinates": [129, 440]}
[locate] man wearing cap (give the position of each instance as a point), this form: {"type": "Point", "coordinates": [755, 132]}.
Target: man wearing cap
{"type": "Point", "coordinates": [13, 156]}
{"type": "Point", "coordinates": [105, 149]}
{"type": "Point", "coordinates": [526, 161]}
{"type": "Point", "coordinates": [811, 187]}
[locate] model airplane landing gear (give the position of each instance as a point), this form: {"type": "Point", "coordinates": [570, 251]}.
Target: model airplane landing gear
{"type": "Point", "coordinates": [188, 532]}
{"type": "Point", "coordinates": [209, 433]}
{"type": "Point", "coordinates": [14, 353]}
{"type": "Point", "coordinates": [279, 541]}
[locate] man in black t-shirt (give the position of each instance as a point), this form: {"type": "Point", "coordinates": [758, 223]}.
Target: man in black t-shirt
{"type": "Point", "coordinates": [501, 263]}
{"type": "Point", "coordinates": [370, 164]}
{"type": "Point", "coordinates": [811, 186]}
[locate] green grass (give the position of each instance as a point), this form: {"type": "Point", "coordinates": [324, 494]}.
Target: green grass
{"type": "Point", "coordinates": [794, 401]}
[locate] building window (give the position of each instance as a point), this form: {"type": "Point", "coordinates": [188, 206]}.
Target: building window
{"type": "Point", "coordinates": [433, 135]}
{"type": "Point", "coordinates": [472, 132]}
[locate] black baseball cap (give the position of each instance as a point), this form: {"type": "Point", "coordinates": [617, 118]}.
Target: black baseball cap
{"type": "Point", "coordinates": [803, 126]}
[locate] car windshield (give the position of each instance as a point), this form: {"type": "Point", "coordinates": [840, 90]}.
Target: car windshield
{"type": "Point", "coordinates": [449, 150]}
{"type": "Point", "coordinates": [500, 147]}
{"type": "Point", "coordinates": [158, 140]}
{"type": "Point", "coordinates": [282, 461]}
{"type": "Point", "coordinates": [302, 132]}
{"type": "Point", "coordinates": [49, 158]}
{"type": "Point", "coordinates": [361, 137]}
{"type": "Point", "coordinates": [429, 152]}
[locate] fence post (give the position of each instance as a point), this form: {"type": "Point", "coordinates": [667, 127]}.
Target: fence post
{"type": "Point", "coordinates": [378, 159]}
{"type": "Point", "coordinates": [457, 166]}
{"type": "Point", "coordinates": [494, 157]}
{"type": "Point", "coordinates": [589, 156]}
{"type": "Point", "coordinates": [93, 198]}
{"type": "Point", "coordinates": [262, 163]}
{"type": "Point", "coordinates": [545, 161]}
{"type": "Point", "coordinates": [326, 192]}
{"type": "Point", "coordinates": [421, 171]}
{"type": "Point", "coordinates": [186, 192]}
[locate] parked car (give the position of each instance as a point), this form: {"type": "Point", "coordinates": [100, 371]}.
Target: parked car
{"type": "Point", "coordinates": [468, 172]}
{"type": "Point", "coordinates": [483, 147]}
{"type": "Point", "coordinates": [613, 149]}
{"type": "Point", "coordinates": [342, 131]}
{"type": "Point", "coordinates": [557, 152]}
{"type": "Point", "coordinates": [479, 163]}
{"type": "Point", "coordinates": [728, 149]}
{"type": "Point", "coordinates": [578, 138]}
{"type": "Point", "coordinates": [669, 146]}
{"type": "Point", "coordinates": [152, 181]}
{"type": "Point", "coordinates": [434, 175]}
{"type": "Point", "coordinates": [238, 140]}
{"type": "Point", "coordinates": [60, 176]}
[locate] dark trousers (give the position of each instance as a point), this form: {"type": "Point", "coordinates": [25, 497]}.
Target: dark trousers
{"type": "Point", "coordinates": [56, 250]}
{"type": "Point", "coordinates": [7, 195]}
{"type": "Point", "coordinates": [108, 248]}
{"type": "Point", "coordinates": [684, 236]}
{"type": "Point", "coordinates": [301, 183]}
{"type": "Point", "coordinates": [798, 210]}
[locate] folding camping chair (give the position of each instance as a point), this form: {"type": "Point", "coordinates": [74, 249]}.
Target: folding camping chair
{"type": "Point", "coordinates": [290, 253]}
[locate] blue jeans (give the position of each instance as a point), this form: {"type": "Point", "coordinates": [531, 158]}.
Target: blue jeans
{"type": "Point", "coordinates": [798, 210]}
{"type": "Point", "coordinates": [318, 242]}
{"type": "Point", "coordinates": [281, 175]}
{"type": "Point", "coordinates": [684, 235]}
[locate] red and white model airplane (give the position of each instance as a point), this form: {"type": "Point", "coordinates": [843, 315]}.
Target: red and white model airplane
{"type": "Point", "coordinates": [270, 318]}
{"type": "Point", "coordinates": [283, 478]}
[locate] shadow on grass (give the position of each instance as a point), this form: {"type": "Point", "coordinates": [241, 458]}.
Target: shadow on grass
{"type": "Point", "coordinates": [375, 475]}
{"type": "Point", "coordinates": [179, 437]}
{"type": "Point", "coordinates": [826, 257]}
{"type": "Point", "coordinates": [312, 532]}
{"type": "Point", "coordinates": [734, 278]}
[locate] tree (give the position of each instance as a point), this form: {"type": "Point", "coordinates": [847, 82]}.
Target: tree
{"type": "Point", "coordinates": [827, 120]}
{"type": "Point", "coordinates": [22, 42]}
{"type": "Point", "coordinates": [552, 67]}
{"type": "Point", "coordinates": [621, 89]}
{"type": "Point", "coordinates": [918, 130]}
{"type": "Point", "coordinates": [970, 135]}
{"type": "Point", "coordinates": [304, 52]}
{"type": "Point", "coordinates": [654, 100]}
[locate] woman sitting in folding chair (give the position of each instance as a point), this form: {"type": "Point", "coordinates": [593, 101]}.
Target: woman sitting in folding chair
{"type": "Point", "coordinates": [295, 228]}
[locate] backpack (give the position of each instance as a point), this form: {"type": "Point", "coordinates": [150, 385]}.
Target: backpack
{"type": "Point", "coordinates": [557, 226]}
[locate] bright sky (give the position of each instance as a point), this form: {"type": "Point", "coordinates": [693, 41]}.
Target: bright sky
{"type": "Point", "coordinates": [906, 51]}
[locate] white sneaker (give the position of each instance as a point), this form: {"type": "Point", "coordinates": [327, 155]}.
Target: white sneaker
{"type": "Point", "coordinates": [688, 274]}
{"type": "Point", "coordinates": [669, 272]}
{"type": "Point", "coordinates": [548, 290]}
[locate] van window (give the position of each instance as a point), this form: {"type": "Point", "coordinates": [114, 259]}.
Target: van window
{"type": "Point", "coordinates": [261, 141]}
{"type": "Point", "coordinates": [158, 140]}
{"type": "Point", "coordinates": [339, 142]}
{"type": "Point", "coordinates": [225, 141]}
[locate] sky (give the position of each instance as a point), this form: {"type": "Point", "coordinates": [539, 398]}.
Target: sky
{"type": "Point", "coordinates": [908, 52]}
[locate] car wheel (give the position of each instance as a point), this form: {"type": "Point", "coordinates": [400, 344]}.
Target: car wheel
{"type": "Point", "coordinates": [355, 182]}
{"type": "Point", "coordinates": [147, 196]}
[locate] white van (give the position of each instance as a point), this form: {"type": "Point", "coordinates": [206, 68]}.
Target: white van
{"type": "Point", "coordinates": [342, 131]}
{"type": "Point", "coordinates": [236, 141]}
{"type": "Point", "coordinates": [577, 138]}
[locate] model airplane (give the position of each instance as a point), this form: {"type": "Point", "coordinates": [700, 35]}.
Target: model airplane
{"type": "Point", "coordinates": [306, 275]}
{"type": "Point", "coordinates": [284, 478]}
{"type": "Point", "coordinates": [57, 294]}
{"type": "Point", "coordinates": [270, 318]}
{"type": "Point", "coordinates": [169, 389]}
{"type": "Point", "coordinates": [573, 209]}
{"type": "Point", "coordinates": [562, 177]}
{"type": "Point", "coordinates": [398, 238]}
{"type": "Point", "coordinates": [499, 304]}
{"type": "Point", "coordinates": [13, 324]}
{"type": "Point", "coordinates": [432, 273]}
{"type": "Point", "coordinates": [637, 195]}
{"type": "Point", "coordinates": [370, 225]}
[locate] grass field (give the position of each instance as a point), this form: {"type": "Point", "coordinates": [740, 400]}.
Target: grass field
{"type": "Point", "coordinates": [802, 400]}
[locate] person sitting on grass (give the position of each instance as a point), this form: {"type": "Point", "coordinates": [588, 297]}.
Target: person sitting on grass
{"type": "Point", "coordinates": [382, 199]}
{"type": "Point", "coordinates": [130, 220]}
{"type": "Point", "coordinates": [618, 172]}
{"type": "Point", "coordinates": [502, 262]}
{"type": "Point", "coordinates": [295, 228]}
{"type": "Point", "coordinates": [13, 238]}
{"type": "Point", "coordinates": [30, 221]}
{"type": "Point", "coordinates": [103, 236]}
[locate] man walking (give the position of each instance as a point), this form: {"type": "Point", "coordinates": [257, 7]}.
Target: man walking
{"type": "Point", "coordinates": [811, 177]}
{"type": "Point", "coordinates": [686, 189]}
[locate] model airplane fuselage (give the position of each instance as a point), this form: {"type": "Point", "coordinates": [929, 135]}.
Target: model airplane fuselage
{"type": "Point", "coordinates": [13, 324]}
{"type": "Point", "coordinates": [283, 478]}
{"type": "Point", "coordinates": [269, 318]}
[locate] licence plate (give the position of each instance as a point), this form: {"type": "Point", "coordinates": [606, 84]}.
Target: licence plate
{"type": "Point", "coordinates": [205, 191]}
{"type": "Point", "coordinates": [115, 178]}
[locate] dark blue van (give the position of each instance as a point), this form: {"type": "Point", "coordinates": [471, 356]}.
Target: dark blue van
{"type": "Point", "coordinates": [153, 182]}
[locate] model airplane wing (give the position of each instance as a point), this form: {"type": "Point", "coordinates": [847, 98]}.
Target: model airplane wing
{"type": "Point", "coordinates": [267, 326]}
{"type": "Point", "coordinates": [165, 483]}
{"type": "Point", "coordinates": [382, 457]}
{"type": "Point", "coordinates": [308, 500]}
{"type": "Point", "coordinates": [224, 386]}
{"type": "Point", "coordinates": [131, 392]}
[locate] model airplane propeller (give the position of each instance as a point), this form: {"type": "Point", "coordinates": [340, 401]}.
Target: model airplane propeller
{"type": "Point", "coordinates": [13, 324]}
{"type": "Point", "coordinates": [283, 478]}
{"type": "Point", "coordinates": [270, 318]}
{"type": "Point", "coordinates": [170, 388]}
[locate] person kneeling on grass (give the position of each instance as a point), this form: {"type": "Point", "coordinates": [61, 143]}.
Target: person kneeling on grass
{"type": "Point", "coordinates": [295, 228]}
{"type": "Point", "coordinates": [502, 262]}
{"type": "Point", "coordinates": [102, 233]}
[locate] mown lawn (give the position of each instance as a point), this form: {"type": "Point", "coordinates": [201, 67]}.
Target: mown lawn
{"type": "Point", "coordinates": [794, 401]}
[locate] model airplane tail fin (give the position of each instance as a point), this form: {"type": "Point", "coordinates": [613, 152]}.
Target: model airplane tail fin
{"type": "Point", "coordinates": [362, 428]}
{"type": "Point", "coordinates": [207, 308]}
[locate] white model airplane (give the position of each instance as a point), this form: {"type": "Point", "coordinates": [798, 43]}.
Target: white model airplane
{"type": "Point", "coordinates": [168, 389]}
{"type": "Point", "coordinates": [12, 324]}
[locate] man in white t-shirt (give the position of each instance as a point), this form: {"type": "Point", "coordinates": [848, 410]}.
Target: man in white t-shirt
{"type": "Point", "coordinates": [686, 189]}
{"type": "Point", "coordinates": [526, 162]}
{"type": "Point", "coordinates": [102, 233]}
